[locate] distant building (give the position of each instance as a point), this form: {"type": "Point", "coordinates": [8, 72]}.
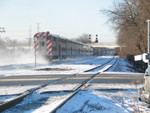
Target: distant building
{"type": "Point", "coordinates": [104, 49]}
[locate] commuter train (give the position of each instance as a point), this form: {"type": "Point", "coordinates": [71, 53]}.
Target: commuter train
{"type": "Point", "coordinates": [54, 46]}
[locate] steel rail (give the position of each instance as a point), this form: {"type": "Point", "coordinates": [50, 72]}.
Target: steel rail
{"type": "Point", "coordinates": [7, 104]}
{"type": "Point", "coordinates": [100, 65]}
{"type": "Point", "coordinates": [80, 87]}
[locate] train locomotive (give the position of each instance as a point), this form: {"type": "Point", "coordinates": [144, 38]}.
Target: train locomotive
{"type": "Point", "coordinates": [54, 46]}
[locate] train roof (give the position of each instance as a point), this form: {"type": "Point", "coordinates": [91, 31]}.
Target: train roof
{"type": "Point", "coordinates": [66, 39]}
{"type": "Point", "coordinates": [45, 34]}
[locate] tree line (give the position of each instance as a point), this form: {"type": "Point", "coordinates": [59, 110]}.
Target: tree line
{"type": "Point", "coordinates": [7, 42]}
{"type": "Point", "coordinates": [128, 18]}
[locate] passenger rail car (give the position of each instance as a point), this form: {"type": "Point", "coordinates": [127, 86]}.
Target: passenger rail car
{"type": "Point", "coordinates": [55, 46]}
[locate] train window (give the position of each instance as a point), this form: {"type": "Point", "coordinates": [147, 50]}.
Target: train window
{"type": "Point", "coordinates": [64, 49]}
{"type": "Point", "coordinates": [42, 44]}
{"type": "Point", "coordinates": [49, 38]}
{"type": "Point", "coordinates": [54, 49]}
{"type": "Point", "coordinates": [54, 39]}
{"type": "Point", "coordinates": [63, 41]}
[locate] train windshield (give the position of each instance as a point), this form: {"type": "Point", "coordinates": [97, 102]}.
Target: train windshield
{"type": "Point", "coordinates": [49, 38]}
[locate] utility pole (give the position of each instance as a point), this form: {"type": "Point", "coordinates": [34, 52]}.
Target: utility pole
{"type": "Point", "coordinates": [36, 44]}
{"type": "Point", "coordinates": [30, 36]}
{"type": "Point", "coordinates": [2, 30]}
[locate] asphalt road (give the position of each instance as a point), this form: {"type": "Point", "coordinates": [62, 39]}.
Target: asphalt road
{"type": "Point", "coordinates": [42, 79]}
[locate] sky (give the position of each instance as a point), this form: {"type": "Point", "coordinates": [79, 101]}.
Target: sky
{"type": "Point", "coordinates": [67, 18]}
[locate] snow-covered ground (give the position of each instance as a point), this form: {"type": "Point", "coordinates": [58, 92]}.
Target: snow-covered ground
{"type": "Point", "coordinates": [72, 65]}
{"type": "Point", "coordinates": [104, 101]}
{"type": "Point", "coordinates": [89, 101]}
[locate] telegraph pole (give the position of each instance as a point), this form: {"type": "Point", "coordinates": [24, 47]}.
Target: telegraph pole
{"type": "Point", "coordinates": [36, 43]}
{"type": "Point", "coordinates": [30, 36]}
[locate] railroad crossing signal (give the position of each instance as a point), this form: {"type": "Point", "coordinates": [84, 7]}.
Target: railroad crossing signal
{"type": "Point", "coordinates": [145, 57]}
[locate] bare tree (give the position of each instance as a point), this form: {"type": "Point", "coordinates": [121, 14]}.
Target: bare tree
{"type": "Point", "coordinates": [2, 45]}
{"type": "Point", "coordinates": [129, 20]}
{"type": "Point", "coordinates": [85, 38]}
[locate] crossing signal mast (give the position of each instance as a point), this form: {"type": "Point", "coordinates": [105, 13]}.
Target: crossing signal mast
{"type": "Point", "coordinates": [145, 91]}
{"type": "Point", "coordinates": [90, 39]}
{"type": "Point", "coordinates": [96, 40]}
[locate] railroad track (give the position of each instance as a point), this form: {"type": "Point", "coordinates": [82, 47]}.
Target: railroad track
{"type": "Point", "coordinates": [87, 81]}
{"type": "Point", "coordinates": [103, 67]}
